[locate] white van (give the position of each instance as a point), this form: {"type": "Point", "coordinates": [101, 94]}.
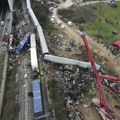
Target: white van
{"type": "Point", "coordinates": [2, 23]}
{"type": "Point", "coordinates": [70, 23]}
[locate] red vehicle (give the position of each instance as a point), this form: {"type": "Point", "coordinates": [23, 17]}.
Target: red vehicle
{"type": "Point", "coordinates": [102, 104]}
{"type": "Point", "coordinates": [10, 40]}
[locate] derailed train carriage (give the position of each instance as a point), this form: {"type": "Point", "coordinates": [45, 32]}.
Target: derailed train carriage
{"type": "Point", "coordinates": [37, 99]}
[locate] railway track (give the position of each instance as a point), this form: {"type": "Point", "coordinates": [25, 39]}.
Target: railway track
{"type": "Point", "coordinates": [26, 102]}
{"type": "Point", "coordinates": [25, 84]}
{"type": "Point", "coordinates": [3, 10]}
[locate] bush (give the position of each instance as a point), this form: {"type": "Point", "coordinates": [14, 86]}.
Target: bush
{"type": "Point", "coordinates": [58, 102]}
{"type": "Point", "coordinates": [60, 110]}
{"type": "Point", "coordinates": [85, 14]}
{"type": "Point", "coordinates": [41, 13]}
{"type": "Point", "coordinates": [79, 15]}
{"type": "Point", "coordinates": [98, 35]}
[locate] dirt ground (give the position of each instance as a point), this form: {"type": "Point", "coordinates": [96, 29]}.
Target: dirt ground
{"type": "Point", "coordinates": [89, 113]}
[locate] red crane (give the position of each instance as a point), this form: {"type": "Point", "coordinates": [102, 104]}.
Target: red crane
{"type": "Point", "coordinates": [103, 100]}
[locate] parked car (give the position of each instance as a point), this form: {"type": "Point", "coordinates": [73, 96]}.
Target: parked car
{"type": "Point", "coordinates": [52, 20]}
{"type": "Point", "coordinates": [69, 23]}
{"type": "Point", "coordinates": [63, 26]}
{"type": "Point", "coordinates": [2, 23]}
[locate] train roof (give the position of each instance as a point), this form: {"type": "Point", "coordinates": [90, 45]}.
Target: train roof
{"type": "Point", "coordinates": [37, 100]}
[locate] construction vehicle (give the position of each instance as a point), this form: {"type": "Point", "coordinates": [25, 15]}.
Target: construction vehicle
{"type": "Point", "coordinates": [39, 73]}
{"type": "Point", "coordinates": [102, 105]}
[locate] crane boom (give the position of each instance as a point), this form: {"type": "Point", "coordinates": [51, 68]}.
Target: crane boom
{"type": "Point", "coordinates": [103, 99]}
{"type": "Point", "coordinates": [109, 77]}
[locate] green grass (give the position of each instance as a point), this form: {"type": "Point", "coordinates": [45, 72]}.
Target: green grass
{"type": "Point", "coordinates": [57, 100]}
{"type": "Point", "coordinates": [104, 30]}
{"type": "Point", "coordinates": [100, 26]}
{"type": "Point", "coordinates": [99, 19]}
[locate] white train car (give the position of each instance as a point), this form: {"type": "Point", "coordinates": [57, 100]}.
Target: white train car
{"type": "Point", "coordinates": [28, 4]}
{"type": "Point", "coordinates": [33, 17]}
{"type": "Point", "coordinates": [32, 41]}
{"type": "Point", "coordinates": [43, 43]}
{"type": "Point", "coordinates": [34, 61]}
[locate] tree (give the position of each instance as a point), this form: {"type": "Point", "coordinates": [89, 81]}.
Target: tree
{"type": "Point", "coordinates": [41, 12]}
{"type": "Point", "coordinates": [60, 110]}
{"type": "Point", "coordinates": [84, 14]}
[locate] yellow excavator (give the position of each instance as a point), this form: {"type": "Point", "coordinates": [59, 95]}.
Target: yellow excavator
{"type": "Point", "coordinates": [39, 72]}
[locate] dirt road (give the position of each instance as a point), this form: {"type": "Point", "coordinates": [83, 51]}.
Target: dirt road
{"type": "Point", "coordinates": [113, 64]}
{"type": "Point", "coordinates": [65, 4]}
